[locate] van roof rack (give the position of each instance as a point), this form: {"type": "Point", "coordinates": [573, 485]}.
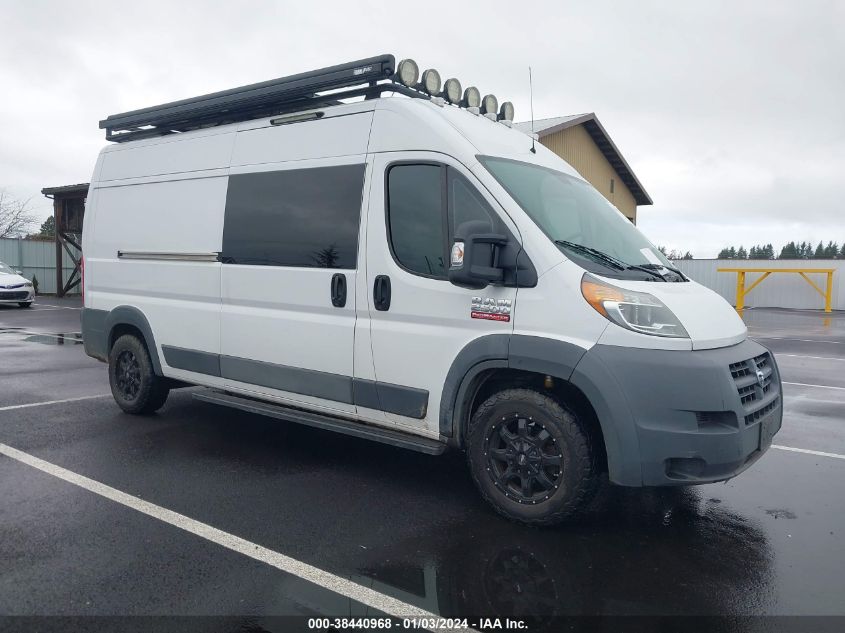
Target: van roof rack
{"type": "Point", "coordinates": [277, 96]}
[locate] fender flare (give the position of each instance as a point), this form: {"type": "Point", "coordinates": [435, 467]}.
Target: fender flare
{"type": "Point", "coordinates": [505, 351]}
{"type": "Point", "coordinates": [129, 315]}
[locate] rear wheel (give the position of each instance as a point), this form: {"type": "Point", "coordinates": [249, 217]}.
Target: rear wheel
{"type": "Point", "coordinates": [531, 458]}
{"type": "Point", "coordinates": [134, 384]}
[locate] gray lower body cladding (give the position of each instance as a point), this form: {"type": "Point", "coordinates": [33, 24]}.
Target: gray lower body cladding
{"type": "Point", "coordinates": [95, 333]}
{"type": "Point", "coordinates": [98, 325]}
{"type": "Point", "coordinates": [682, 417]}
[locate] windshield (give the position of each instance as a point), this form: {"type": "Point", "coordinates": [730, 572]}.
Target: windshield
{"type": "Point", "coordinates": [572, 214]}
{"type": "Point", "coordinates": [6, 269]}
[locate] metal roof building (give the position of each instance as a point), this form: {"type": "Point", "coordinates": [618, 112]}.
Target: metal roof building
{"type": "Point", "coordinates": [582, 141]}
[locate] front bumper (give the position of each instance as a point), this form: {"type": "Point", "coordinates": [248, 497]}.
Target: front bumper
{"type": "Point", "coordinates": [18, 295]}
{"type": "Point", "coordinates": [682, 417]}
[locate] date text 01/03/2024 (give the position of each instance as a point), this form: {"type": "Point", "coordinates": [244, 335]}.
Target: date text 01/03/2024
{"type": "Point", "coordinates": [417, 623]}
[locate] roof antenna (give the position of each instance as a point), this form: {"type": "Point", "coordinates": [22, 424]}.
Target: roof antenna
{"type": "Point", "coordinates": [531, 99]}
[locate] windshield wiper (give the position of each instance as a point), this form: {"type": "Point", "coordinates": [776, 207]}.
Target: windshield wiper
{"type": "Point", "coordinates": [594, 253]}
{"type": "Point", "coordinates": [608, 259]}
{"type": "Point", "coordinates": [672, 268]}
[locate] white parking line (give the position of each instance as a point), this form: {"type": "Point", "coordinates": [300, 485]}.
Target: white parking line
{"type": "Point", "coordinates": [69, 335]}
{"type": "Point", "coordinates": [365, 595]}
{"type": "Point", "coordinates": [804, 384]}
{"type": "Point", "coordinates": [802, 340]}
{"type": "Point", "coordinates": [55, 307]}
{"type": "Point", "coordinates": [813, 357]}
{"type": "Point", "coordinates": [808, 451]}
{"type": "Point", "coordinates": [45, 403]}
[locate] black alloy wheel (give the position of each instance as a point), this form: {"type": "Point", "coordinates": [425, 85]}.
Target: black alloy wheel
{"type": "Point", "coordinates": [523, 459]}
{"type": "Point", "coordinates": [533, 459]}
{"type": "Point", "coordinates": [128, 375]}
{"type": "Point", "coordinates": [134, 384]}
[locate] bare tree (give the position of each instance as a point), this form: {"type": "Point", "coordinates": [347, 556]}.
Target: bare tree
{"type": "Point", "coordinates": [16, 218]}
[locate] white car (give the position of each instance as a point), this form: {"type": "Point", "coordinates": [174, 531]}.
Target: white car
{"type": "Point", "coordinates": [15, 288]}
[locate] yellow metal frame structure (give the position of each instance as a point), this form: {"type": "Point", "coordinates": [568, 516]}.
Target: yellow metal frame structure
{"type": "Point", "coordinates": [741, 290]}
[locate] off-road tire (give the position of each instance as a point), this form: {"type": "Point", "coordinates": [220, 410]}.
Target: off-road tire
{"type": "Point", "coordinates": [134, 384]}
{"type": "Point", "coordinates": [576, 478]}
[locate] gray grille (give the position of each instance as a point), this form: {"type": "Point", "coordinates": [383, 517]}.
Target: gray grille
{"type": "Point", "coordinates": [12, 296]}
{"type": "Point", "coordinates": [758, 400]}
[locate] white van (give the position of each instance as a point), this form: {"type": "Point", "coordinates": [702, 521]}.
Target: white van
{"type": "Point", "coordinates": [412, 270]}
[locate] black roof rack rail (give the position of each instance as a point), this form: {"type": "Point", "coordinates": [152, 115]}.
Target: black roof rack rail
{"type": "Point", "coordinates": [277, 96]}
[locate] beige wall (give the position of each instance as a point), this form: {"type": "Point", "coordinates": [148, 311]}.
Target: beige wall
{"type": "Point", "coordinates": [576, 147]}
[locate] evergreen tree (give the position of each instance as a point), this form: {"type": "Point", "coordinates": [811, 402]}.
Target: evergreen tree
{"type": "Point", "coordinates": [789, 251]}
{"type": "Point", "coordinates": [769, 251]}
{"type": "Point", "coordinates": [806, 250]}
{"type": "Point", "coordinates": [831, 251]}
{"type": "Point", "coordinates": [741, 253]}
{"type": "Point", "coordinates": [732, 253]}
{"type": "Point", "coordinates": [725, 253]}
{"type": "Point", "coordinates": [687, 255]}
{"type": "Point", "coordinates": [819, 252]}
{"type": "Point", "coordinates": [48, 227]}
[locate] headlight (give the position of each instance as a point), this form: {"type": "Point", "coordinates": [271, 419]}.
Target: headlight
{"type": "Point", "coordinates": [636, 311]}
{"type": "Point", "coordinates": [28, 284]}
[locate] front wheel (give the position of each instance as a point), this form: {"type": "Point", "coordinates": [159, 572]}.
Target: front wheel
{"type": "Point", "coordinates": [531, 458]}
{"type": "Point", "coordinates": [134, 384]}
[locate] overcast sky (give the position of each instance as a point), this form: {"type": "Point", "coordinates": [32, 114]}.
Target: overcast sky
{"type": "Point", "coordinates": [732, 114]}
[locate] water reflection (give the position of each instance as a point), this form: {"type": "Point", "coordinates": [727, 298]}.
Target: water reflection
{"type": "Point", "coordinates": [45, 338]}
{"type": "Point", "coordinates": [638, 552]}
{"type": "Point", "coordinates": [72, 338]}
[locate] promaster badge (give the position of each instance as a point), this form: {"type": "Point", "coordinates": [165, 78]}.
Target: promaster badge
{"type": "Point", "coordinates": [491, 309]}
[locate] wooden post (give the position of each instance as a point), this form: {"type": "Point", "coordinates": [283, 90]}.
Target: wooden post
{"type": "Point", "coordinates": [57, 219]}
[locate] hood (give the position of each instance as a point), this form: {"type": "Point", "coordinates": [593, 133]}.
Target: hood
{"type": "Point", "coordinates": [7, 279]}
{"type": "Point", "coordinates": [709, 320]}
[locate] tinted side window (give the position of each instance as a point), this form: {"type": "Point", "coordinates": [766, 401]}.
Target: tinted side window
{"type": "Point", "coordinates": [298, 217]}
{"type": "Point", "coordinates": [415, 218]}
{"type": "Point", "coordinates": [466, 204]}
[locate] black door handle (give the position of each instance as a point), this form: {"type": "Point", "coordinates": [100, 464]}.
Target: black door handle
{"type": "Point", "coordinates": [381, 293]}
{"type": "Point", "coordinates": [338, 290]}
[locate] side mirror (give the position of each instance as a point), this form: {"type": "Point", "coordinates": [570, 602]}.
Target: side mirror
{"type": "Point", "coordinates": [19, 272]}
{"type": "Point", "coordinates": [474, 260]}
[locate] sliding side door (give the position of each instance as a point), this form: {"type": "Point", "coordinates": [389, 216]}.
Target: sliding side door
{"type": "Point", "coordinates": [289, 272]}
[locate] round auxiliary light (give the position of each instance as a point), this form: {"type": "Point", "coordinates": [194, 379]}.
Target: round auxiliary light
{"type": "Point", "coordinates": [472, 98]}
{"type": "Point", "coordinates": [506, 111]}
{"type": "Point", "coordinates": [452, 90]}
{"type": "Point", "coordinates": [408, 72]}
{"type": "Point", "coordinates": [489, 104]}
{"type": "Point", "coordinates": [431, 81]}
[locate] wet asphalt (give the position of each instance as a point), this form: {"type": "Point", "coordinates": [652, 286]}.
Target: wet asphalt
{"type": "Point", "coordinates": [770, 542]}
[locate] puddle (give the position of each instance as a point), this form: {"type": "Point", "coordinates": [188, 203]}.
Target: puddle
{"type": "Point", "coordinates": [781, 514]}
{"type": "Point", "coordinates": [45, 338]}
{"type": "Point", "coordinates": [74, 338]}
